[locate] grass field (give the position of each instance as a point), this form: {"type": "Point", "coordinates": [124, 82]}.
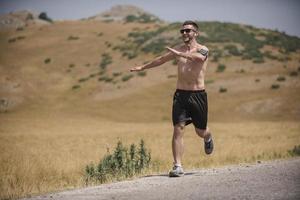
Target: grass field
{"type": "Point", "coordinates": [49, 153]}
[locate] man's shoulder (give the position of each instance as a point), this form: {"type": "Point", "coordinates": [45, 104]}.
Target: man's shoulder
{"type": "Point", "coordinates": [202, 50]}
{"type": "Point", "coordinates": [200, 46]}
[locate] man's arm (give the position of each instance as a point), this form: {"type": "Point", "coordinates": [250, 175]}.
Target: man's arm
{"type": "Point", "coordinates": [156, 62]}
{"type": "Point", "coordinates": [200, 55]}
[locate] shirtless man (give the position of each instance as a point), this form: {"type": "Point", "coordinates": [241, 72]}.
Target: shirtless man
{"type": "Point", "coordinates": [190, 99]}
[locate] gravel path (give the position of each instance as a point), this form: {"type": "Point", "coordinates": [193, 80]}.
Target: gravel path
{"type": "Point", "coordinates": [267, 180]}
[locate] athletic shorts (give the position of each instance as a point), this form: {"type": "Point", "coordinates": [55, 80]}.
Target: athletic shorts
{"type": "Point", "coordinates": [190, 107]}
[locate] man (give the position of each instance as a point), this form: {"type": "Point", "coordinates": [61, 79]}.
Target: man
{"type": "Point", "coordinates": [190, 99]}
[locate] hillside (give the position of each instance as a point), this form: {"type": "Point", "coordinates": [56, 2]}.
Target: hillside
{"type": "Point", "coordinates": [87, 62]}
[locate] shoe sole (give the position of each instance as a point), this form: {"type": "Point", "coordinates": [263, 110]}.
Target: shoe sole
{"type": "Point", "coordinates": [175, 175]}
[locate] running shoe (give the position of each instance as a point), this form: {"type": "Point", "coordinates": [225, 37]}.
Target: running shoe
{"type": "Point", "coordinates": [177, 171]}
{"type": "Point", "coordinates": [209, 146]}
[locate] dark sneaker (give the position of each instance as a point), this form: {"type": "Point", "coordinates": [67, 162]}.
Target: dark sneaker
{"type": "Point", "coordinates": [209, 146]}
{"type": "Point", "coordinates": [177, 171]}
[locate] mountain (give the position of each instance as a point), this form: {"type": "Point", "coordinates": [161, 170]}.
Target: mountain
{"type": "Point", "coordinates": [23, 18]}
{"type": "Point", "coordinates": [127, 13]}
{"type": "Point", "coordinates": [79, 66]}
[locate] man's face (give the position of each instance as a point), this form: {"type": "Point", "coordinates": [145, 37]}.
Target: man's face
{"type": "Point", "coordinates": [188, 32]}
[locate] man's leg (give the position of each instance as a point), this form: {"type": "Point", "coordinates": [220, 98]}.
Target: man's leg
{"type": "Point", "coordinates": [177, 148]}
{"type": "Point", "coordinates": [203, 133]}
{"type": "Point", "coordinates": [177, 143]}
{"type": "Point", "coordinates": [208, 142]}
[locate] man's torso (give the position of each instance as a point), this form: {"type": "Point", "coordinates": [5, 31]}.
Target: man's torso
{"type": "Point", "coordinates": [191, 73]}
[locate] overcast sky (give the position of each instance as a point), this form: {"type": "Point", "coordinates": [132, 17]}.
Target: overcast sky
{"type": "Point", "coordinates": [283, 15]}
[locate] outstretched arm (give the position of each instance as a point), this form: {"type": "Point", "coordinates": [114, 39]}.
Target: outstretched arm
{"type": "Point", "coordinates": [200, 55]}
{"type": "Point", "coordinates": [156, 62]}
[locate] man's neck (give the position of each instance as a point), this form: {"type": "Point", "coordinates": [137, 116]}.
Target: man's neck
{"type": "Point", "coordinates": [191, 44]}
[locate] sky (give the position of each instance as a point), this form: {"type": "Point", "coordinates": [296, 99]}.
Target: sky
{"type": "Point", "coordinates": [281, 15]}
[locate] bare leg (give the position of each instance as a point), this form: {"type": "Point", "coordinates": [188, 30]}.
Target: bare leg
{"type": "Point", "coordinates": [203, 133]}
{"type": "Point", "coordinates": [177, 143]}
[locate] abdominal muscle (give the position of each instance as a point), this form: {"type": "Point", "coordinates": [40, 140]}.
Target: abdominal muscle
{"type": "Point", "coordinates": [191, 75]}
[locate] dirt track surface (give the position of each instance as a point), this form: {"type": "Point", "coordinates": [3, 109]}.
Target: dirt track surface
{"type": "Point", "coordinates": [266, 180]}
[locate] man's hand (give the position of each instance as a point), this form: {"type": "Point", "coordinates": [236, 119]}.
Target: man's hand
{"type": "Point", "coordinates": [136, 69]}
{"type": "Point", "coordinates": [173, 51]}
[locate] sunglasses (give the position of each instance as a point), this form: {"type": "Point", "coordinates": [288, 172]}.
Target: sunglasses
{"type": "Point", "coordinates": [187, 30]}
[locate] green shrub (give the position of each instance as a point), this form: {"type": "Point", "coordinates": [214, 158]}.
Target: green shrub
{"type": "Point", "coordinates": [47, 60]}
{"type": "Point", "coordinates": [293, 73]}
{"type": "Point", "coordinates": [106, 60]}
{"type": "Point", "coordinates": [295, 151]}
{"type": "Point", "coordinates": [44, 16]}
{"type": "Point", "coordinates": [75, 87]}
{"type": "Point", "coordinates": [275, 86]}
{"type": "Point", "coordinates": [105, 78]}
{"type": "Point", "coordinates": [280, 78]}
{"type": "Point", "coordinates": [120, 164]}
{"type": "Point", "coordinates": [72, 65]}
{"type": "Point", "coordinates": [83, 79]}
{"type": "Point", "coordinates": [116, 74]}
{"type": "Point", "coordinates": [233, 50]}
{"type": "Point", "coordinates": [222, 90]}
{"type": "Point", "coordinates": [127, 77]}
{"type": "Point", "coordinates": [142, 73]}
{"type": "Point", "coordinates": [221, 68]}
{"type": "Point", "coordinates": [71, 37]}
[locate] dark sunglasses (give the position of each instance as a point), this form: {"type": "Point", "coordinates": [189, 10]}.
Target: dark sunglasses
{"type": "Point", "coordinates": [187, 30]}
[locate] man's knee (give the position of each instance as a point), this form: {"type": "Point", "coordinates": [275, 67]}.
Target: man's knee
{"type": "Point", "coordinates": [179, 127]}
{"type": "Point", "coordinates": [178, 130]}
{"type": "Point", "coordinates": [201, 132]}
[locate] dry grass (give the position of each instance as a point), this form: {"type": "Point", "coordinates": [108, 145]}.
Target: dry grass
{"type": "Point", "coordinates": [49, 153]}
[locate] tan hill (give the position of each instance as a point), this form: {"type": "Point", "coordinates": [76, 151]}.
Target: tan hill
{"type": "Point", "coordinates": [125, 13]}
{"type": "Point", "coordinates": [252, 73]}
{"type": "Point", "coordinates": [23, 18]}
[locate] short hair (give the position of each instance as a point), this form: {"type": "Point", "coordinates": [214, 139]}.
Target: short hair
{"type": "Point", "coordinates": [189, 22]}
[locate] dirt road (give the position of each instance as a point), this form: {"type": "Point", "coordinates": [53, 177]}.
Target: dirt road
{"type": "Point", "coordinates": [265, 180]}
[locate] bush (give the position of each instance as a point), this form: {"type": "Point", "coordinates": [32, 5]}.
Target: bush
{"type": "Point", "coordinates": [127, 77]}
{"type": "Point", "coordinates": [294, 73]}
{"type": "Point", "coordinates": [221, 68]}
{"type": "Point", "coordinates": [222, 90]}
{"type": "Point", "coordinates": [44, 16]}
{"type": "Point", "coordinates": [122, 163]}
{"type": "Point", "coordinates": [75, 87]}
{"type": "Point", "coordinates": [71, 37]}
{"type": "Point", "coordinates": [47, 60]}
{"type": "Point", "coordinates": [142, 73]}
{"type": "Point", "coordinates": [295, 151]}
{"type": "Point", "coordinates": [280, 78]}
{"type": "Point", "coordinates": [106, 60]}
{"type": "Point", "coordinates": [275, 86]}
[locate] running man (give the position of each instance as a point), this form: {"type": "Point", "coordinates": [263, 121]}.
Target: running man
{"type": "Point", "coordinates": [190, 98]}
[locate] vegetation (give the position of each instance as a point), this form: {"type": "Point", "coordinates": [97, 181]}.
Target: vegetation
{"type": "Point", "coordinates": [141, 18]}
{"type": "Point", "coordinates": [280, 78]}
{"type": "Point", "coordinates": [44, 16]}
{"type": "Point", "coordinates": [222, 89]}
{"type": "Point", "coordinates": [275, 86]}
{"type": "Point", "coordinates": [127, 77]}
{"type": "Point", "coordinates": [122, 163]}
{"type": "Point", "coordinates": [47, 60]}
{"type": "Point", "coordinates": [71, 37]}
{"type": "Point", "coordinates": [295, 151]}
{"type": "Point", "coordinates": [154, 41]}
{"type": "Point", "coordinates": [221, 68]}
{"type": "Point", "coordinates": [106, 60]}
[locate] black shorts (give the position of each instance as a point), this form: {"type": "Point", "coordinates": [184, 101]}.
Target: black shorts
{"type": "Point", "coordinates": [190, 107]}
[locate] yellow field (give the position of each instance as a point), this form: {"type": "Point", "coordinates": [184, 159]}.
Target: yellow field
{"type": "Point", "coordinates": [50, 153]}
